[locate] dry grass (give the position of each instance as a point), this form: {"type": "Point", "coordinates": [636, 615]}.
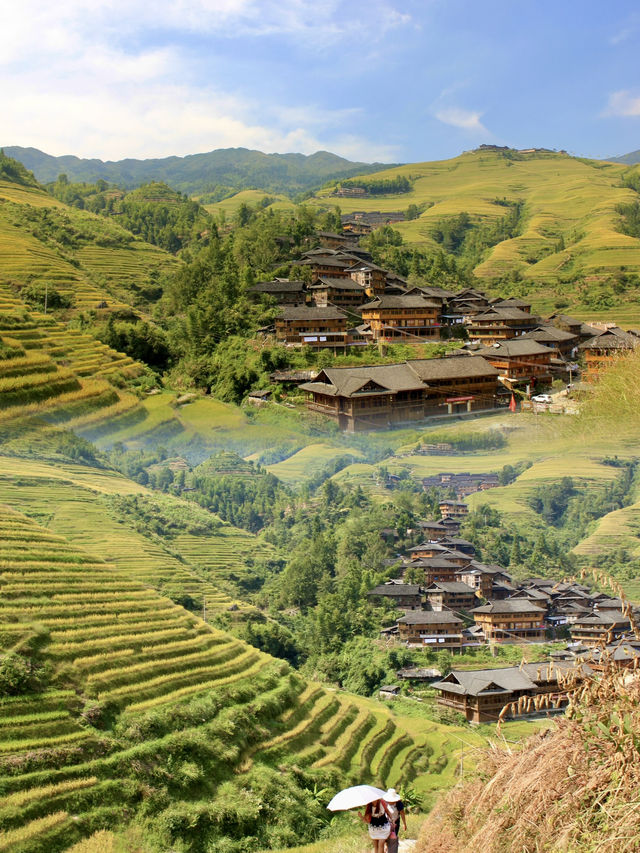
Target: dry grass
{"type": "Point", "coordinates": [574, 788]}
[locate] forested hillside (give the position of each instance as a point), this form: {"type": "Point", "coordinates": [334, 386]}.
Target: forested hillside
{"type": "Point", "coordinates": [217, 171]}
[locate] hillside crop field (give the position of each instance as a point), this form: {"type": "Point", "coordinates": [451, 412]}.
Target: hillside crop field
{"type": "Point", "coordinates": [110, 642]}
{"type": "Point", "coordinates": [565, 198]}
{"type": "Point", "coordinates": [87, 258]}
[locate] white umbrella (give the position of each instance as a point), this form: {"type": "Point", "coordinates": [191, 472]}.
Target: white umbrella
{"type": "Point", "coordinates": [355, 797]}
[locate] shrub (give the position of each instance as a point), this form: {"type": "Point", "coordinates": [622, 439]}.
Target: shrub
{"type": "Point", "coordinates": [15, 674]}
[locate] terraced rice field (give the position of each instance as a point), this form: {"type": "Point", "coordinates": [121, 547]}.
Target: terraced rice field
{"type": "Point", "coordinates": [563, 196]}
{"type": "Point", "coordinates": [309, 461]}
{"type": "Point", "coordinates": [59, 375]}
{"type": "Point", "coordinates": [109, 639]}
{"type": "Point", "coordinates": [99, 275]}
{"type": "Point", "coordinates": [72, 501]}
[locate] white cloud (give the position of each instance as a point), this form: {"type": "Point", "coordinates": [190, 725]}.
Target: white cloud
{"type": "Point", "coordinates": [623, 103]}
{"type": "Point", "coordinates": [464, 119]}
{"type": "Point", "coordinates": [158, 120]}
{"type": "Point", "coordinates": [88, 79]}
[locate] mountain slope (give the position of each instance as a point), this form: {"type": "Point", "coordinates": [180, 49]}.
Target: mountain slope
{"type": "Point", "coordinates": [91, 260]}
{"type": "Point", "coordinates": [123, 706]}
{"type": "Point", "coordinates": [567, 226]}
{"type": "Point", "coordinates": [237, 168]}
{"type": "Point", "coordinates": [630, 159]}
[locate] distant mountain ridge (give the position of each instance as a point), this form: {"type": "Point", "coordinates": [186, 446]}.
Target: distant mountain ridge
{"type": "Point", "coordinates": [631, 158]}
{"type": "Point", "coordinates": [237, 168]}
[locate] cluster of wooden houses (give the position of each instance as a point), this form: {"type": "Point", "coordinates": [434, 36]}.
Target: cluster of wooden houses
{"type": "Point", "coordinates": [346, 300]}
{"type": "Point", "coordinates": [451, 601]}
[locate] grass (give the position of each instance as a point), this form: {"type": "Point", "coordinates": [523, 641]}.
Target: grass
{"type": "Point", "coordinates": [309, 461]}
{"type": "Point", "coordinates": [563, 196]}
{"type": "Point", "coordinates": [229, 206]}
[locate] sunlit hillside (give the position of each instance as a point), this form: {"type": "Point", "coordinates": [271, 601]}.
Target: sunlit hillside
{"type": "Point", "coordinates": [569, 225]}
{"type": "Point", "coordinates": [135, 708]}
{"type": "Point", "coordinates": [92, 261]}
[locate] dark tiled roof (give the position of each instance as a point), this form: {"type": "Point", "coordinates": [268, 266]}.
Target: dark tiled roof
{"type": "Point", "coordinates": [514, 349]}
{"type": "Point", "coordinates": [506, 313]}
{"type": "Point", "coordinates": [402, 301]}
{"type": "Point", "coordinates": [614, 338]}
{"type": "Point", "coordinates": [395, 589]}
{"type": "Point", "coordinates": [346, 381]}
{"type": "Point", "coordinates": [276, 287]}
{"type": "Point", "coordinates": [511, 302]}
{"type": "Point", "coordinates": [508, 680]}
{"type": "Point", "coordinates": [549, 333]}
{"type": "Point", "coordinates": [429, 617]}
{"type": "Point", "coordinates": [435, 369]}
{"type": "Point", "coordinates": [337, 284]}
{"type": "Point", "coordinates": [450, 586]}
{"type": "Point", "coordinates": [509, 605]}
{"type": "Point", "coordinates": [311, 313]}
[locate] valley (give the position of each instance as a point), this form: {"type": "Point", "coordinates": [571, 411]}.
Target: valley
{"type": "Point", "coordinates": [188, 549]}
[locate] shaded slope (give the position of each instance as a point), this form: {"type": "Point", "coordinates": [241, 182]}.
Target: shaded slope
{"type": "Point", "coordinates": [150, 714]}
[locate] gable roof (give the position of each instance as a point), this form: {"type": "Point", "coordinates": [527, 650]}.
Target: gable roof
{"type": "Point", "coordinates": [509, 605]}
{"type": "Point", "coordinates": [406, 376]}
{"type": "Point", "coordinates": [504, 313]}
{"type": "Point", "coordinates": [337, 284]}
{"type": "Point", "coordinates": [390, 300]}
{"type": "Point", "coordinates": [549, 333]}
{"type": "Point", "coordinates": [304, 312]}
{"type": "Point", "coordinates": [395, 589]}
{"type": "Point", "coordinates": [277, 286]}
{"type": "Point", "coordinates": [429, 617]}
{"type": "Point", "coordinates": [613, 338]}
{"type": "Point", "coordinates": [512, 349]}
{"type": "Point", "coordinates": [450, 586]}
{"type": "Point", "coordinates": [436, 369]}
{"type": "Point", "coordinates": [508, 680]}
{"type": "Point", "coordinates": [347, 381]}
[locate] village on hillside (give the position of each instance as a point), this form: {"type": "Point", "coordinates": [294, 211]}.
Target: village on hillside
{"type": "Point", "coordinates": [344, 301]}
{"type": "Point", "coordinates": [451, 601]}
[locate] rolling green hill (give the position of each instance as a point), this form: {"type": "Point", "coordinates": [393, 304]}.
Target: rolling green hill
{"type": "Point", "coordinates": [132, 708]}
{"type": "Point", "coordinates": [233, 168]}
{"type": "Point", "coordinates": [93, 261]}
{"type": "Point", "coordinates": [568, 226]}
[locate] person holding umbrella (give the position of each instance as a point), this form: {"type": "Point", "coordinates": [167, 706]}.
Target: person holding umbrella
{"type": "Point", "coordinates": [376, 814]}
{"type": "Point", "coordinates": [396, 807]}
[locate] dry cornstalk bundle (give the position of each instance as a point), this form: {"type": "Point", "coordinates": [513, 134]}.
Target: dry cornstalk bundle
{"type": "Point", "coordinates": [574, 788]}
{"type": "Point", "coordinates": [569, 789]}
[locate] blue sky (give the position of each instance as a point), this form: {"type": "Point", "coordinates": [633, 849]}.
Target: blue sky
{"type": "Point", "coordinates": [388, 80]}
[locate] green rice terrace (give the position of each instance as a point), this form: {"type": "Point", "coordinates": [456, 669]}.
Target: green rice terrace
{"type": "Point", "coordinates": [92, 261]}
{"type": "Point", "coordinates": [568, 226]}
{"type": "Point", "coordinates": [139, 708]}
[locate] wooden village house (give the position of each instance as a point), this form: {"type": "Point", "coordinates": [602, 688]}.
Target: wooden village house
{"type": "Point", "coordinates": [340, 292]}
{"type": "Point", "coordinates": [602, 350]}
{"type": "Point", "coordinates": [375, 397]}
{"type": "Point", "coordinates": [520, 362]}
{"type": "Point", "coordinates": [482, 694]}
{"type": "Point", "coordinates": [405, 318]}
{"type": "Point", "coordinates": [286, 292]}
{"type": "Point", "coordinates": [406, 596]}
{"type": "Point", "coordinates": [501, 324]}
{"type": "Point", "coordinates": [511, 621]}
{"type": "Point", "coordinates": [451, 595]}
{"type": "Point", "coordinates": [312, 326]}
{"type": "Point", "coordinates": [432, 630]}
